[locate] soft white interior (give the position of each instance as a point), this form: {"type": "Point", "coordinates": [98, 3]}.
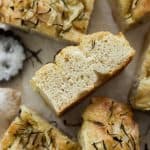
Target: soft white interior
{"type": "Point", "coordinates": [78, 69]}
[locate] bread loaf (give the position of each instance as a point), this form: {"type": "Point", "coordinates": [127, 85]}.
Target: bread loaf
{"type": "Point", "coordinates": [30, 132]}
{"type": "Point", "coordinates": [78, 70]}
{"type": "Point", "coordinates": [108, 125]}
{"type": "Point", "coordinates": [130, 12]}
{"type": "Point", "coordinates": [65, 19]}
{"type": "Point", "coordinates": [140, 91]}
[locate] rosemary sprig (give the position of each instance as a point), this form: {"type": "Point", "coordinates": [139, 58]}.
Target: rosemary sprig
{"type": "Point", "coordinates": [111, 110]}
{"type": "Point", "coordinates": [35, 139]}
{"type": "Point", "coordinates": [28, 134]}
{"type": "Point", "coordinates": [35, 55]}
{"type": "Point", "coordinates": [95, 144]}
{"type": "Point", "coordinates": [133, 142]}
{"type": "Point", "coordinates": [117, 139]}
{"type": "Point", "coordinates": [123, 129]}
{"type": "Point", "coordinates": [130, 137]}
{"type": "Point", "coordinates": [104, 145]}
{"type": "Point", "coordinates": [93, 44]}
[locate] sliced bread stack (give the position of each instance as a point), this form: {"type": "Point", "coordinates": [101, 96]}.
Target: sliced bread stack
{"type": "Point", "coordinates": [78, 70]}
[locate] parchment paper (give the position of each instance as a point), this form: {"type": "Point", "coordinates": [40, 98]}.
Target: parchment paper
{"type": "Point", "coordinates": [118, 88]}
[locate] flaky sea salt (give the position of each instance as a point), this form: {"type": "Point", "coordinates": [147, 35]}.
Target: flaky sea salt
{"type": "Point", "coordinates": [11, 57]}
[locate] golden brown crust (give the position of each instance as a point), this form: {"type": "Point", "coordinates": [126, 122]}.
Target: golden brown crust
{"type": "Point", "coordinates": [29, 131]}
{"type": "Point", "coordinates": [129, 13]}
{"type": "Point", "coordinates": [140, 91]}
{"type": "Point", "coordinates": [66, 19]}
{"type": "Point", "coordinates": [142, 9]}
{"type": "Point", "coordinates": [108, 125]}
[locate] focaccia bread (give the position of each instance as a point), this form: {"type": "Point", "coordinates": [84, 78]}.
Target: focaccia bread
{"type": "Point", "coordinates": [10, 101]}
{"type": "Point", "coordinates": [77, 70]}
{"type": "Point", "coordinates": [30, 132]}
{"type": "Point", "coordinates": [140, 92]}
{"type": "Point", "coordinates": [130, 12]}
{"type": "Point", "coordinates": [108, 125]}
{"type": "Point", "coordinates": [66, 19]}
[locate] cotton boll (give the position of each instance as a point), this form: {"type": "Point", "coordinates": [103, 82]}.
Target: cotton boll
{"type": "Point", "coordinates": [10, 101]}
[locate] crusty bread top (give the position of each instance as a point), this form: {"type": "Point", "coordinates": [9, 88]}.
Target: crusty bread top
{"type": "Point", "coordinates": [108, 125]}
{"type": "Point", "coordinates": [66, 19]}
{"type": "Point", "coordinates": [77, 70]}
{"type": "Point", "coordinates": [29, 131]}
{"type": "Point", "coordinates": [141, 9]}
{"type": "Point", "coordinates": [140, 92]}
{"type": "Point", "coordinates": [130, 12]}
{"type": "Point", "coordinates": [10, 100]}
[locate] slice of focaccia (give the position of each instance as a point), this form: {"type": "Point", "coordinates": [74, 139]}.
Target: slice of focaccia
{"type": "Point", "coordinates": [140, 92]}
{"type": "Point", "coordinates": [77, 70]}
{"type": "Point", "coordinates": [30, 132]}
{"type": "Point", "coordinates": [66, 19]}
{"type": "Point", "coordinates": [130, 12]}
{"type": "Point", "coordinates": [108, 125]}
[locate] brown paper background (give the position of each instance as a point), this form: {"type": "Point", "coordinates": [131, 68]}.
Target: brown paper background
{"type": "Point", "coordinates": [118, 88]}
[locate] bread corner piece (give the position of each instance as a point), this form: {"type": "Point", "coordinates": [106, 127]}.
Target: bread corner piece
{"type": "Point", "coordinates": [108, 124]}
{"type": "Point", "coordinates": [130, 12]}
{"type": "Point", "coordinates": [61, 19]}
{"type": "Point", "coordinates": [78, 70]}
{"type": "Point", "coordinates": [29, 131]}
{"type": "Point", "coordinates": [140, 92]}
